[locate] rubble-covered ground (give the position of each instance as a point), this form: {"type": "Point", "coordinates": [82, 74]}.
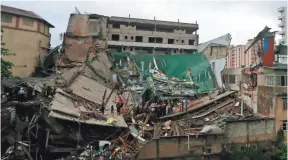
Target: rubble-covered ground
{"type": "Point", "coordinates": [68, 115]}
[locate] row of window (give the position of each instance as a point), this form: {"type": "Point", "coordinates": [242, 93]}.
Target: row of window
{"type": "Point", "coordinates": [149, 28]}
{"type": "Point", "coordinates": [116, 37]}
{"type": "Point", "coordinates": [174, 51]}
{"type": "Point", "coordinates": [280, 81]}
{"type": "Point", "coordinates": [7, 18]}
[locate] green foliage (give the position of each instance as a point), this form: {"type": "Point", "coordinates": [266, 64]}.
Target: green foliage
{"type": "Point", "coordinates": [281, 152]}
{"type": "Point", "coordinates": [5, 65]}
{"type": "Point", "coordinates": [250, 154]}
{"type": "Point", "coordinates": [280, 137]}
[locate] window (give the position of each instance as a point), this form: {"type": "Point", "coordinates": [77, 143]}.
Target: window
{"type": "Point", "coordinates": [131, 49]}
{"type": "Point", "coordinates": [115, 37]}
{"type": "Point", "coordinates": [7, 18]}
{"type": "Point", "coordinates": [159, 40]}
{"type": "Point", "coordinates": [180, 51]}
{"type": "Point", "coordinates": [132, 37]}
{"type": "Point", "coordinates": [151, 40]}
{"type": "Point", "coordinates": [281, 80]}
{"type": "Point", "coordinates": [126, 37]}
{"type": "Point", "coordinates": [170, 41]}
{"type": "Point", "coordinates": [139, 39]}
{"type": "Point", "coordinates": [284, 125]}
{"type": "Point", "coordinates": [116, 25]}
{"type": "Point", "coordinates": [191, 42]}
{"type": "Point", "coordinates": [182, 41]}
{"type": "Point", "coordinates": [270, 80]}
{"type": "Point", "coordinates": [174, 51]}
{"type": "Point", "coordinates": [232, 79]}
{"type": "Point", "coordinates": [124, 49]}
{"type": "Point", "coordinates": [284, 103]}
{"type": "Point", "coordinates": [28, 22]}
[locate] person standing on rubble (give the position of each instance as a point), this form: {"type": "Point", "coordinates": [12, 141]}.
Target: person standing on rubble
{"type": "Point", "coordinates": [182, 106]}
{"type": "Point", "coordinates": [120, 103]}
{"type": "Point", "coordinates": [21, 94]}
{"type": "Point", "coordinates": [186, 104]}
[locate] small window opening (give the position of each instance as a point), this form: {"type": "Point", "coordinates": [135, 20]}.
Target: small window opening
{"type": "Point", "coordinates": [170, 41]}
{"type": "Point", "coordinates": [116, 25]}
{"type": "Point", "coordinates": [191, 42]}
{"type": "Point", "coordinates": [139, 39]}
{"type": "Point", "coordinates": [115, 37]}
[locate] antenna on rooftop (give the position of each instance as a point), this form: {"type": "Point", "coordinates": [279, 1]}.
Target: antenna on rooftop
{"type": "Point", "coordinates": [77, 11]}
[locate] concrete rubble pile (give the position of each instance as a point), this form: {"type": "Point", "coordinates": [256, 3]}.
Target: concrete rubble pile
{"type": "Point", "coordinates": [69, 114]}
{"type": "Point", "coordinates": [64, 114]}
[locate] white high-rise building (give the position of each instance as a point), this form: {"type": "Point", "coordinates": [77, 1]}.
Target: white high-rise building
{"type": "Point", "coordinates": [283, 31]}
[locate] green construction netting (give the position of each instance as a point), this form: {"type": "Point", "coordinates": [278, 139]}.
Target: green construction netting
{"type": "Point", "coordinates": [173, 66]}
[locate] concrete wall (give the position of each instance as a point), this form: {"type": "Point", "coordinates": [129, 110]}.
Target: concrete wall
{"type": "Point", "coordinates": [251, 101]}
{"type": "Point", "coordinates": [232, 71]}
{"type": "Point", "coordinates": [216, 52]}
{"type": "Point", "coordinates": [236, 134]}
{"type": "Point", "coordinates": [280, 115]}
{"type": "Point", "coordinates": [265, 105]}
{"type": "Point", "coordinates": [176, 147]}
{"type": "Point", "coordinates": [247, 131]}
{"type": "Point", "coordinates": [219, 65]}
{"type": "Point", "coordinates": [79, 47]}
{"type": "Point", "coordinates": [27, 47]}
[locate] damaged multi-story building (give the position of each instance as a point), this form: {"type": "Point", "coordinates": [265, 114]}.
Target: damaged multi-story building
{"type": "Point", "coordinates": [126, 34]}
{"type": "Point", "coordinates": [263, 84]}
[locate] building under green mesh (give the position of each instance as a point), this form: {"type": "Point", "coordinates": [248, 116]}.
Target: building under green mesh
{"type": "Point", "coordinates": [174, 66]}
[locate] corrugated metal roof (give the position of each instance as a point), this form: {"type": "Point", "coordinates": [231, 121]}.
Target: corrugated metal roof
{"type": "Point", "coordinates": [222, 40]}
{"type": "Point", "coordinates": [21, 12]}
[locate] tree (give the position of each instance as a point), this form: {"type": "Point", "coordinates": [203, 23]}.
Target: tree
{"type": "Point", "coordinates": [281, 150]}
{"type": "Point", "coordinates": [5, 65]}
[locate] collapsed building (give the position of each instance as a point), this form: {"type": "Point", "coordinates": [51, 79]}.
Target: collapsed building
{"type": "Point", "coordinates": [83, 75]}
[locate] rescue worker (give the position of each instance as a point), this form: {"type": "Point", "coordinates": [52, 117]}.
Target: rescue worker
{"type": "Point", "coordinates": [186, 104]}
{"type": "Point", "coordinates": [120, 103]}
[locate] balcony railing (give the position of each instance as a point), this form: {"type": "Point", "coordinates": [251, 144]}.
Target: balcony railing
{"type": "Point", "coordinates": [281, 9]}
{"type": "Point", "coordinates": [281, 24]}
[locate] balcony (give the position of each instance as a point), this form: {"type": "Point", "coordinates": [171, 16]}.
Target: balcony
{"type": "Point", "coordinates": [281, 9]}
{"type": "Point", "coordinates": [152, 45]}
{"type": "Point", "coordinates": [281, 32]}
{"type": "Point", "coordinates": [281, 24]}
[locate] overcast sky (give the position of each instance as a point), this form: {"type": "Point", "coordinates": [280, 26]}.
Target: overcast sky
{"type": "Point", "coordinates": [242, 19]}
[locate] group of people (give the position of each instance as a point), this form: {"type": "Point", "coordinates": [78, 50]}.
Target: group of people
{"type": "Point", "coordinates": [161, 109]}
{"type": "Point", "coordinates": [119, 101]}
{"type": "Point", "coordinates": [164, 109]}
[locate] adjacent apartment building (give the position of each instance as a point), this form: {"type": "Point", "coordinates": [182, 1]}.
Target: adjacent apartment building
{"type": "Point", "coordinates": [283, 28]}
{"type": "Point", "coordinates": [27, 36]}
{"type": "Point", "coordinates": [236, 58]}
{"type": "Point", "coordinates": [126, 34]}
